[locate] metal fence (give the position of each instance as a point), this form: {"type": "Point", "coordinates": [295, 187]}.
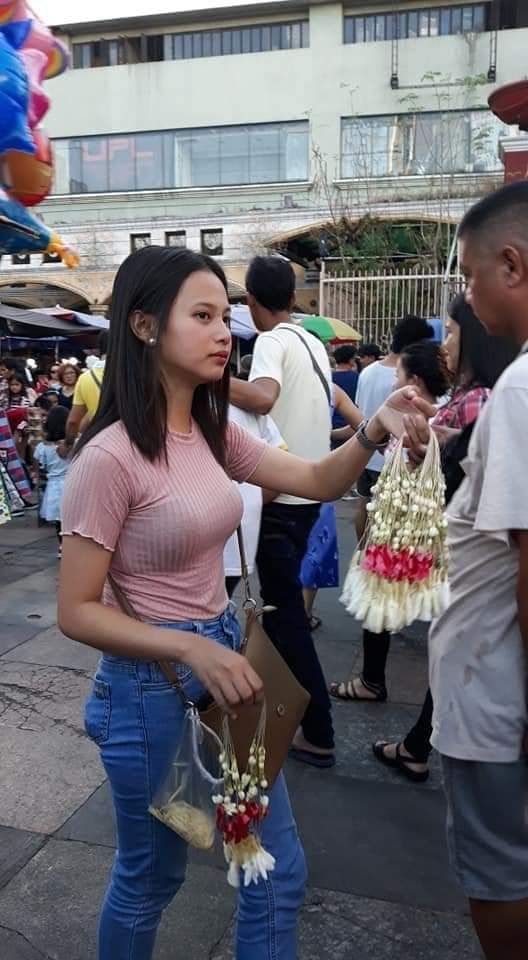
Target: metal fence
{"type": "Point", "coordinates": [373, 301]}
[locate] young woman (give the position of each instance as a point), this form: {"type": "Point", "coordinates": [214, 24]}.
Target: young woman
{"type": "Point", "coordinates": [475, 361]}
{"type": "Point", "coordinates": [68, 376]}
{"type": "Point", "coordinates": [149, 497]}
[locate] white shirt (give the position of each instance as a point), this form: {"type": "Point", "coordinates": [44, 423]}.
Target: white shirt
{"type": "Point", "coordinates": [302, 410]}
{"type": "Point", "coordinates": [476, 656]}
{"type": "Point", "coordinates": [375, 384]}
{"type": "Point", "coordinates": [265, 429]}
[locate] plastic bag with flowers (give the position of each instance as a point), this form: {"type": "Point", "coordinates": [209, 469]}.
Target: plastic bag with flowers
{"type": "Point", "coordinates": [399, 571]}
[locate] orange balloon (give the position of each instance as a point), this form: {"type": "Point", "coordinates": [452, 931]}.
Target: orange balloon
{"type": "Point", "coordinates": [28, 178]}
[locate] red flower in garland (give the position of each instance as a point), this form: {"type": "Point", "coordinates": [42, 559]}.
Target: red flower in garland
{"type": "Point", "coordinates": [397, 565]}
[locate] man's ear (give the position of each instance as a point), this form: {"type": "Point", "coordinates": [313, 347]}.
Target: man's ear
{"type": "Point", "coordinates": [144, 326]}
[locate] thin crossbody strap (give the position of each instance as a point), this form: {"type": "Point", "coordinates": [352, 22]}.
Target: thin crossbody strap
{"type": "Point", "coordinates": [315, 365]}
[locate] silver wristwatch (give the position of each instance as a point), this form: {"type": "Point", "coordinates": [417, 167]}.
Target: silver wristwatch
{"type": "Point", "coordinates": [362, 438]}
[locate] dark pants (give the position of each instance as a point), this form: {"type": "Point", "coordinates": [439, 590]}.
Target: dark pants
{"type": "Point", "coordinates": [375, 652]}
{"type": "Point", "coordinates": [231, 583]}
{"type": "Point", "coordinates": [283, 538]}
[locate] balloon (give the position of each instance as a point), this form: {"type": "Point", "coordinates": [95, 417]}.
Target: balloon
{"type": "Point", "coordinates": [21, 232]}
{"type": "Point", "coordinates": [59, 59]}
{"type": "Point", "coordinates": [16, 32]}
{"type": "Point", "coordinates": [29, 54]}
{"type": "Point", "coordinates": [14, 100]}
{"type": "Point", "coordinates": [28, 179]}
{"type": "Point", "coordinates": [7, 10]}
{"type": "Point", "coordinates": [36, 66]}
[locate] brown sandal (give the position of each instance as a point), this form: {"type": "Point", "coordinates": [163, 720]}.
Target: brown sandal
{"type": "Point", "coordinates": [345, 690]}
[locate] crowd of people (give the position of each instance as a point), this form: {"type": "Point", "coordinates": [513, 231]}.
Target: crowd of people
{"type": "Point", "coordinates": [35, 406]}
{"type": "Point", "coordinates": [154, 456]}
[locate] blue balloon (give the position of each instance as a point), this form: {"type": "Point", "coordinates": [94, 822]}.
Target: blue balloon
{"type": "Point", "coordinates": [16, 32]}
{"type": "Point", "coordinates": [20, 230]}
{"type": "Point", "coordinates": [14, 101]}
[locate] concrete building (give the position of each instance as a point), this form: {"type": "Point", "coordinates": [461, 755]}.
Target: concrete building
{"type": "Point", "coordinates": [229, 128]}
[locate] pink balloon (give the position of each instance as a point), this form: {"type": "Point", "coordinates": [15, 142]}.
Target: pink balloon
{"type": "Point", "coordinates": [40, 38]}
{"type": "Point", "coordinates": [36, 62]}
{"type": "Point", "coordinates": [10, 10]}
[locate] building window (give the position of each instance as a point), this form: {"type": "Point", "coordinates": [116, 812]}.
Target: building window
{"type": "Point", "coordinates": [176, 238]}
{"type": "Point", "coordinates": [212, 242]}
{"type": "Point", "coordinates": [139, 240]}
{"type": "Point", "coordinates": [20, 259]}
{"type": "Point", "coordinates": [189, 46]}
{"type": "Point", "coordinates": [420, 144]}
{"type": "Point", "coordinates": [430, 22]}
{"type": "Point", "coordinates": [208, 156]}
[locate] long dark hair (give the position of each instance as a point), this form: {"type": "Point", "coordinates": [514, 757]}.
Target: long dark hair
{"type": "Point", "coordinates": [482, 358]}
{"type": "Point", "coordinates": [149, 280]}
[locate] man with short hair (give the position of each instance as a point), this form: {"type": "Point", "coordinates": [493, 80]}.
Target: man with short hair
{"type": "Point", "coordinates": [87, 392]}
{"type": "Point", "coordinates": [368, 353]}
{"type": "Point", "coordinates": [290, 379]}
{"type": "Point", "coordinates": [478, 647]}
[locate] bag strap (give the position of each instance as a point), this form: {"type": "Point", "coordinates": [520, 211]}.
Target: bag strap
{"type": "Point", "coordinates": [315, 365]}
{"type": "Point", "coordinates": [97, 382]}
{"type": "Point", "coordinates": [250, 606]}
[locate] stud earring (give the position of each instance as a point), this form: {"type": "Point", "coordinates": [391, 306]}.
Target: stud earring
{"type": "Point", "coordinates": [151, 341]}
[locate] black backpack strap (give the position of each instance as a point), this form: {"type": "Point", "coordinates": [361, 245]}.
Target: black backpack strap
{"type": "Point", "coordinates": [97, 382]}
{"type": "Point", "coordinates": [315, 365]}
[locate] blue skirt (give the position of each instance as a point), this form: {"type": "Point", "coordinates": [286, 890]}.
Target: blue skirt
{"type": "Point", "coordinates": [320, 566]}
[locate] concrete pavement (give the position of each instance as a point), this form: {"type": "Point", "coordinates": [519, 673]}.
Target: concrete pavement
{"type": "Point", "coordinates": [379, 886]}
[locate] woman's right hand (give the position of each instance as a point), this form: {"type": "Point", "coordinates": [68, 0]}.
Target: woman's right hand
{"type": "Point", "coordinates": [228, 676]}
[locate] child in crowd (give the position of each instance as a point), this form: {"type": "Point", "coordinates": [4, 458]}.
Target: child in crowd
{"type": "Point", "coordinates": [53, 457]}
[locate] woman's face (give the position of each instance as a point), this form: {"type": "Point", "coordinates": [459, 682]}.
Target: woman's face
{"type": "Point", "coordinates": [452, 344]}
{"type": "Point", "coordinates": [15, 387]}
{"type": "Point", "coordinates": [69, 377]}
{"type": "Point", "coordinates": [196, 342]}
{"type": "Point", "coordinates": [54, 372]}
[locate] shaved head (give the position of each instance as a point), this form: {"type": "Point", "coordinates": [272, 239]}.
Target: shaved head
{"type": "Point", "coordinates": [501, 217]}
{"type": "Point", "coordinates": [493, 256]}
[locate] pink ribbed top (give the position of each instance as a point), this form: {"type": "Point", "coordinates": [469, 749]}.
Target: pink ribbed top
{"type": "Point", "coordinates": [165, 523]}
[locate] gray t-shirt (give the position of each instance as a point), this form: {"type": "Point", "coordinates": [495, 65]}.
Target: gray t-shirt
{"type": "Point", "coordinates": [374, 386]}
{"type": "Point", "coordinates": [476, 655]}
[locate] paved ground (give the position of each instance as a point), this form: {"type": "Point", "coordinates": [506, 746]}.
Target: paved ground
{"type": "Point", "coordinates": [380, 885]}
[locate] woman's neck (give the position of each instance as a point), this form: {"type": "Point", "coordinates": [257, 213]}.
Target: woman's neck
{"type": "Point", "coordinates": [179, 406]}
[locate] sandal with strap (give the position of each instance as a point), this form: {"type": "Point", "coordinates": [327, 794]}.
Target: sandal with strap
{"type": "Point", "coordinates": [399, 762]}
{"type": "Point", "coordinates": [346, 690]}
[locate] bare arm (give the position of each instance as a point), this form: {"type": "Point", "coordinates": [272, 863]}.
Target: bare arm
{"type": "Point", "coordinates": [348, 410]}
{"type": "Point", "coordinates": [256, 397]}
{"type": "Point", "coordinates": [335, 474]}
{"type": "Point", "coordinates": [83, 617]}
{"type": "Point", "coordinates": [75, 418]}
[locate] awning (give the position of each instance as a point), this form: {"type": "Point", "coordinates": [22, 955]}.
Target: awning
{"type": "Point", "coordinates": [38, 323]}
